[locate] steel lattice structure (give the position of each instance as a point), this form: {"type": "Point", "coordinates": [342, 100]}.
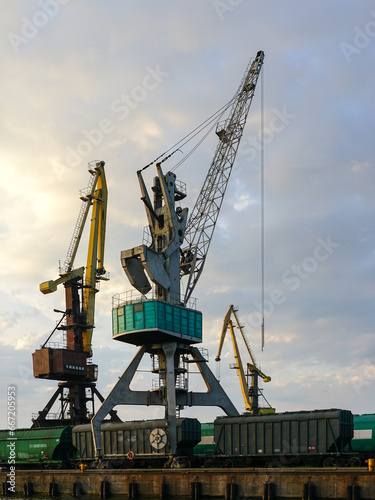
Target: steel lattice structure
{"type": "Point", "coordinates": [202, 221]}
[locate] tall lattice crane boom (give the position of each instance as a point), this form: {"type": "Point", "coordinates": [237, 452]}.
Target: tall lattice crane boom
{"type": "Point", "coordinates": [202, 221]}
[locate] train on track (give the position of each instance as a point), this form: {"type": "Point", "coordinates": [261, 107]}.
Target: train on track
{"type": "Point", "coordinates": [316, 438]}
{"type": "Point", "coordinates": [37, 448]}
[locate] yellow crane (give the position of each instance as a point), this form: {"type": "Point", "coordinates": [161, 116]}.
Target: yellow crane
{"type": "Point", "coordinates": [96, 197]}
{"type": "Point", "coordinates": [250, 392]}
{"type": "Point", "coordinates": [69, 363]}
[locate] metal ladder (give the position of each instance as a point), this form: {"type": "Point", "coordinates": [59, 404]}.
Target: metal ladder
{"type": "Point", "coordinates": [81, 214]}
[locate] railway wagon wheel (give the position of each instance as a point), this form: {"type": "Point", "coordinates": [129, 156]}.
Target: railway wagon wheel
{"type": "Point", "coordinates": [329, 462]}
{"type": "Point", "coordinates": [286, 460]}
{"type": "Point", "coordinates": [227, 464]}
{"type": "Point", "coordinates": [354, 462]}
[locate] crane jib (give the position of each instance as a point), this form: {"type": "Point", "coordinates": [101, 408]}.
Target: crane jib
{"type": "Point", "coordinates": [201, 223]}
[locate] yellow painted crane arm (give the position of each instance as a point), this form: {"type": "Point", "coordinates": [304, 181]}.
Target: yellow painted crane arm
{"type": "Point", "coordinates": [51, 286]}
{"type": "Point", "coordinates": [95, 255]}
{"type": "Point", "coordinates": [252, 367]}
{"type": "Point", "coordinates": [243, 336]}
{"type": "Point", "coordinates": [240, 370]}
{"type": "Point", "coordinates": [227, 324]}
{"type": "Point", "coordinates": [224, 332]}
{"type": "Point", "coordinates": [96, 197]}
{"type": "Point", "coordinates": [251, 392]}
{"type": "Point", "coordinates": [86, 198]}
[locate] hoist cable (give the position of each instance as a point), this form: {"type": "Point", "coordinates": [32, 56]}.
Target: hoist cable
{"type": "Point", "coordinates": [262, 197]}
{"type": "Point", "coordinates": [193, 149]}
{"type": "Point", "coordinates": [213, 118]}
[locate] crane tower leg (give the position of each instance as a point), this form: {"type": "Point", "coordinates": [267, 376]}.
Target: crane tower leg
{"type": "Point", "coordinates": [120, 394]}
{"type": "Point", "coordinates": [170, 351]}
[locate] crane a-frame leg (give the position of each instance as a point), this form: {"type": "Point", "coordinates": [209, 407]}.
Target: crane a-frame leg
{"type": "Point", "coordinates": [168, 396]}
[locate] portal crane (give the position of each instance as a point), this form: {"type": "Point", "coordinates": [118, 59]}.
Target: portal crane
{"type": "Point", "coordinates": [250, 392]}
{"type": "Point", "coordinates": [70, 363]}
{"type": "Point", "coordinates": [165, 325]}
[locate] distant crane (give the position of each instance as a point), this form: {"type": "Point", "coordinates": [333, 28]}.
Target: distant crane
{"type": "Point", "coordinates": [69, 363]}
{"type": "Point", "coordinates": [250, 391]}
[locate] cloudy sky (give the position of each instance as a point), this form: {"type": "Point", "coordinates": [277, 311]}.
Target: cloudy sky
{"type": "Point", "coordinates": [124, 81]}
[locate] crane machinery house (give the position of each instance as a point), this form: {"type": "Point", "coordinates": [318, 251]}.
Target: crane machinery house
{"type": "Point", "coordinates": [162, 317]}
{"type": "Point", "coordinates": [154, 320]}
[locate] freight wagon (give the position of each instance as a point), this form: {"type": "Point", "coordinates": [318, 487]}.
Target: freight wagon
{"type": "Point", "coordinates": [321, 437]}
{"type": "Point", "coordinates": [138, 443]}
{"type": "Point", "coordinates": [363, 440]}
{"type": "Point", "coordinates": [310, 437]}
{"type": "Point", "coordinates": [37, 447]}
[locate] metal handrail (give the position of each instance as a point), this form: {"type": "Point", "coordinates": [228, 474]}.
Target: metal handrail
{"type": "Point", "coordinates": [133, 297]}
